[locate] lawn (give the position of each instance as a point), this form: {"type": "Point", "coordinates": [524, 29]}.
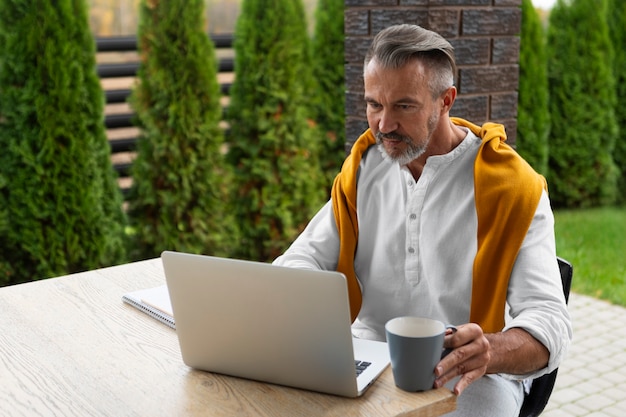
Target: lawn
{"type": "Point", "coordinates": [594, 241]}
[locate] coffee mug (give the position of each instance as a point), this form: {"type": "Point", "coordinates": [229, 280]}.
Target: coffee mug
{"type": "Point", "coordinates": [415, 348]}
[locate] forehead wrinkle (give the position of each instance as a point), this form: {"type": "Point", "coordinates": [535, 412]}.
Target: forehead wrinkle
{"type": "Point", "coordinates": [415, 75]}
{"type": "Point", "coordinates": [391, 86]}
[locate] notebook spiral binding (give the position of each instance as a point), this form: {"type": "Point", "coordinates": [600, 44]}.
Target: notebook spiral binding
{"type": "Point", "coordinates": [151, 311]}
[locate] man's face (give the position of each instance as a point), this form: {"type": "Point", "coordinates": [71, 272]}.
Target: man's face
{"type": "Point", "coordinates": [401, 112]}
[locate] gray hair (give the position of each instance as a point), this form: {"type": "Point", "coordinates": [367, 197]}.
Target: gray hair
{"type": "Point", "coordinates": [396, 45]}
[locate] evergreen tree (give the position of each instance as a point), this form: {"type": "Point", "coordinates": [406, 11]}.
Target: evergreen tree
{"type": "Point", "coordinates": [60, 206]}
{"type": "Point", "coordinates": [272, 145]}
{"type": "Point", "coordinates": [617, 26]}
{"type": "Point", "coordinates": [329, 96]}
{"type": "Point", "coordinates": [582, 104]}
{"type": "Point", "coordinates": [177, 200]}
{"type": "Point", "coordinates": [533, 117]}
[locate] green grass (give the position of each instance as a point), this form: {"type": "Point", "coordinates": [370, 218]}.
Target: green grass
{"type": "Point", "coordinates": [594, 241]}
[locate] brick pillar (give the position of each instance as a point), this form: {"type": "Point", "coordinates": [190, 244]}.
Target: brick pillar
{"type": "Point", "coordinates": [484, 34]}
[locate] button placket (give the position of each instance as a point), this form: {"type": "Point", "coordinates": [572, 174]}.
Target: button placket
{"type": "Point", "coordinates": [415, 199]}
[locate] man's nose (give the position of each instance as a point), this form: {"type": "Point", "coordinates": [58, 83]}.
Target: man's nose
{"type": "Point", "coordinates": [387, 123]}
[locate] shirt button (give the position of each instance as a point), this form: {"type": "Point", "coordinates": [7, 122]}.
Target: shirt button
{"type": "Point", "coordinates": [413, 216]}
{"type": "Point", "coordinates": [411, 250]}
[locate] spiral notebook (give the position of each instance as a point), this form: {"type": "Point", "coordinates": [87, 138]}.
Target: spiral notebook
{"type": "Point", "coordinates": [153, 301]}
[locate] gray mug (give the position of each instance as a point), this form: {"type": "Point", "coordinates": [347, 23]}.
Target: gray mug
{"type": "Point", "coordinates": [415, 348]}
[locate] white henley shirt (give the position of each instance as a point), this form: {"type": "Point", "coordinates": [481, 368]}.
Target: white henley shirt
{"type": "Point", "coordinates": [416, 248]}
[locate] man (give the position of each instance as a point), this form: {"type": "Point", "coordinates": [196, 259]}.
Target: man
{"type": "Point", "coordinates": [433, 216]}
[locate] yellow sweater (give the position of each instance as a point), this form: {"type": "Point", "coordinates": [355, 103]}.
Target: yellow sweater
{"type": "Point", "coordinates": [506, 190]}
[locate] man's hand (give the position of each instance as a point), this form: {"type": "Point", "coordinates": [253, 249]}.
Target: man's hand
{"type": "Point", "coordinates": [474, 354]}
{"type": "Point", "coordinates": [470, 356]}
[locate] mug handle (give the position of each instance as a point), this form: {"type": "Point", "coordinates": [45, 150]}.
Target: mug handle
{"type": "Point", "coordinates": [447, 351]}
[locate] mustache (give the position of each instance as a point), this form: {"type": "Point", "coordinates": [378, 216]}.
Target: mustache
{"type": "Point", "coordinates": [392, 136]}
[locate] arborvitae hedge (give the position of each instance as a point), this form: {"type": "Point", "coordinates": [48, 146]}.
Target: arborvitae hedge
{"type": "Point", "coordinates": [177, 200]}
{"type": "Point", "coordinates": [617, 26]}
{"type": "Point", "coordinates": [329, 74]}
{"type": "Point", "coordinates": [272, 146]}
{"type": "Point", "coordinates": [582, 105]}
{"type": "Point", "coordinates": [60, 207]}
{"type": "Point", "coordinates": [533, 117]}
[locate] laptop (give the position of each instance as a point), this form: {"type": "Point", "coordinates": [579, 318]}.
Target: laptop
{"type": "Point", "coordinates": [269, 323]}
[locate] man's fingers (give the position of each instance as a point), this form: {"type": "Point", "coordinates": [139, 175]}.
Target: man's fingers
{"type": "Point", "coordinates": [468, 359]}
{"type": "Point", "coordinates": [466, 380]}
{"type": "Point", "coordinates": [464, 361]}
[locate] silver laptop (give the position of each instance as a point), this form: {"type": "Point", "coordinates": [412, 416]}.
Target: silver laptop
{"type": "Point", "coordinates": [269, 323]}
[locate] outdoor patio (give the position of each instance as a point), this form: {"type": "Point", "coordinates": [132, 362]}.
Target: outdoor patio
{"type": "Point", "coordinates": [592, 380]}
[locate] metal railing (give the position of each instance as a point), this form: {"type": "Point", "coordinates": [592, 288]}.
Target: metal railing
{"type": "Point", "coordinates": [119, 124]}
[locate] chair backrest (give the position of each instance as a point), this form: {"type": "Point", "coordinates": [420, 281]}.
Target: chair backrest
{"type": "Point", "coordinates": [541, 389]}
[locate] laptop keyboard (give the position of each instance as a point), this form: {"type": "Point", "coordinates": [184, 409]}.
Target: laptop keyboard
{"type": "Point", "coordinates": [361, 366]}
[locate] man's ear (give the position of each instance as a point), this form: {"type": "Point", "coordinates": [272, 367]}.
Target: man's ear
{"type": "Point", "coordinates": [448, 97]}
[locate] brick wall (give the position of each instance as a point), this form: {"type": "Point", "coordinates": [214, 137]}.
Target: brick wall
{"type": "Point", "coordinates": [484, 33]}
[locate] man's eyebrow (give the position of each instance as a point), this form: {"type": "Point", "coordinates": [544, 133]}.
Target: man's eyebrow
{"type": "Point", "coordinates": [403, 100]}
{"type": "Point", "coordinates": [409, 100]}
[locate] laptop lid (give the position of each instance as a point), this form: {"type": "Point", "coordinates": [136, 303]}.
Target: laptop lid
{"type": "Point", "coordinates": [268, 323]}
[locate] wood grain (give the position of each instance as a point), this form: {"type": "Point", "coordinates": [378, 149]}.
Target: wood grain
{"type": "Point", "coordinates": [69, 346]}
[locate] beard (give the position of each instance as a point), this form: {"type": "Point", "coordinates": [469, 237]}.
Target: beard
{"type": "Point", "coordinates": [414, 149]}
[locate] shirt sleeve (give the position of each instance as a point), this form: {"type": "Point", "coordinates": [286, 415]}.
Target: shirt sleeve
{"type": "Point", "coordinates": [317, 247]}
{"type": "Point", "coordinates": [535, 297]}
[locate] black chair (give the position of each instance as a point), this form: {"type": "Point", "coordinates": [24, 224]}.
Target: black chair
{"type": "Point", "coordinates": [536, 400]}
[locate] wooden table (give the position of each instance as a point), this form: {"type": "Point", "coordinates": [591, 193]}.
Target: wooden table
{"type": "Point", "coordinates": [69, 346]}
